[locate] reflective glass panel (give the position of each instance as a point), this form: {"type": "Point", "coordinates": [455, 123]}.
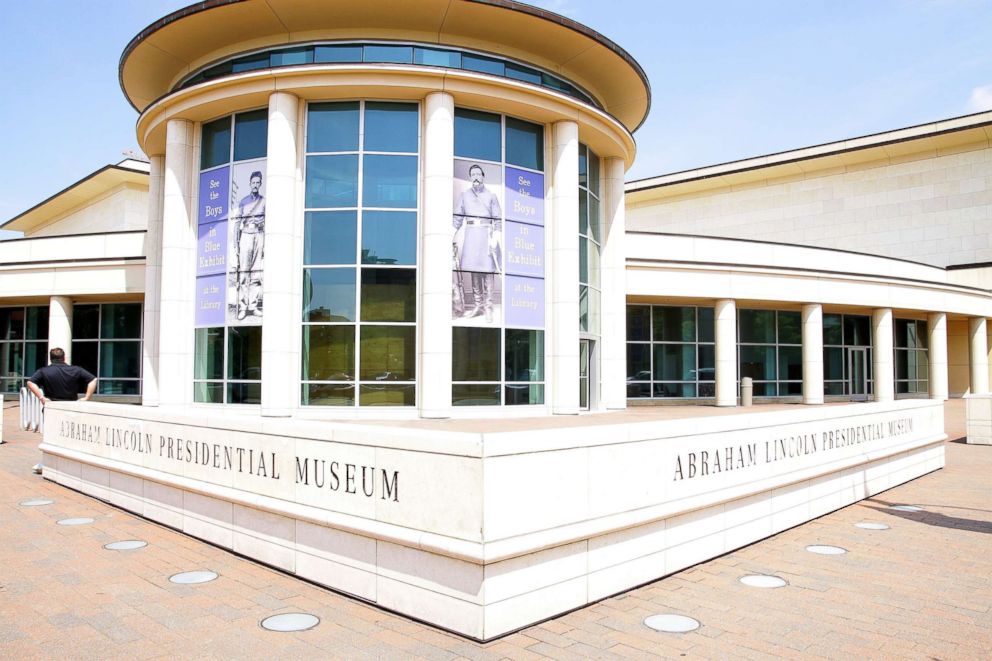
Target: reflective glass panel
{"type": "Point", "coordinates": [121, 321]}
{"type": "Point", "coordinates": [758, 363]}
{"type": "Point", "coordinates": [330, 237]}
{"type": "Point", "coordinates": [437, 58]}
{"type": "Point", "coordinates": [85, 322]}
{"type": "Point", "coordinates": [251, 134]}
{"type": "Point", "coordinates": [118, 387]}
{"type": "Point", "coordinates": [208, 393]}
{"type": "Point", "coordinates": [475, 395]}
{"type": "Point", "coordinates": [389, 237]}
{"type": "Point", "coordinates": [328, 394]}
{"type": "Point", "coordinates": [674, 362]}
{"type": "Point", "coordinates": [674, 324]}
{"type": "Point", "coordinates": [250, 63]}
{"type": "Point", "coordinates": [478, 135]}
{"type": "Point", "coordinates": [583, 166]}
{"type": "Point", "coordinates": [520, 394]}
{"type": "Point", "coordinates": [638, 322]}
{"type": "Point", "coordinates": [389, 294]}
{"type": "Point", "coordinates": [388, 353]}
{"type": "Point", "coordinates": [523, 73]}
{"type": "Point", "coordinates": [583, 259]}
{"type": "Point", "coordinates": [390, 181]}
{"type": "Point", "coordinates": [638, 362]}
{"type": "Point", "coordinates": [337, 54]}
{"type": "Point", "coordinates": [475, 354]}
{"type": "Point", "coordinates": [707, 363]}
{"type": "Point", "coordinates": [393, 54]}
{"type": "Point", "coordinates": [483, 64]}
{"type": "Point", "coordinates": [244, 353]}
{"type": "Point", "coordinates": [329, 353]}
{"type": "Point", "coordinates": [332, 127]}
{"type": "Point", "coordinates": [120, 359]}
{"type": "Point", "coordinates": [706, 325]}
{"type": "Point", "coordinates": [583, 211]}
{"type": "Point", "coordinates": [790, 363]}
{"type": "Point", "coordinates": [329, 295]}
{"type": "Point", "coordinates": [215, 148]}
{"type": "Point", "coordinates": [857, 330]}
{"type": "Point", "coordinates": [332, 181]}
{"type": "Point", "coordinates": [594, 219]}
{"type": "Point", "coordinates": [292, 56]}
{"type": "Point", "coordinates": [593, 173]}
{"type": "Point", "coordinates": [524, 144]}
{"type": "Point", "coordinates": [11, 323]}
{"type": "Point", "coordinates": [84, 354]}
{"type": "Point", "coordinates": [244, 393]}
{"type": "Point", "coordinates": [37, 323]}
{"type": "Point", "coordinates": [35, 357]}
{"type": "Point", "coordinates": [790, 328]}
{"type": "Point", "coordinates": [524, 355]}
{"type": "Point", "coordinates": [208, 357]}
{"type": "Point", "coordinates": [833, 364]}
{"type": "Point", "coordinates": [757, 326]}
{"type": "Point", "coordinates": [832, 330]}
{"type": "Point", "coordinates": [387, 394]}
{"type": "Point", "coordinates": [391, 126]}
{"type": "Point", "coordinates": [12, 359]}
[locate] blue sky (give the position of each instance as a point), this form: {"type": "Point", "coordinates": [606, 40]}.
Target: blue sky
{"type": "Point", "coordinates": [730, 79]}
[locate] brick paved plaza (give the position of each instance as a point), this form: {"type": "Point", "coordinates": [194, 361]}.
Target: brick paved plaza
{"type": "Point", "coordinates": [921, 589]}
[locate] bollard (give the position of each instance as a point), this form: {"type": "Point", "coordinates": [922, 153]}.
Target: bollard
{"type": "Point", "coordinates": [747, 391]}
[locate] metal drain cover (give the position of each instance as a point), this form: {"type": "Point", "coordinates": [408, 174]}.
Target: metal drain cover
{"type": "Point", "coordinates": [824, 549]}
{"type": "Point", "coordinates": [79, 521]}
{"type": "Point", "coordinates": [35, 502]}
{"type": "Point", "coordinates": [126, 545]}
{"type": "Point", "coordinates": [867, 525]}
{"type": "Point", "coordinates": [763, 581]}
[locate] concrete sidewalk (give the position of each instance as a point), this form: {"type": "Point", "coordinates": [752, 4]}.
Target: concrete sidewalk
{"type": "Point", "coordinates": [921, 589]}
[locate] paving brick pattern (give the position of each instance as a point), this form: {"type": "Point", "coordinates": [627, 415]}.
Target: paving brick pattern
{"type": "Point", "coordinates": [920, 590]}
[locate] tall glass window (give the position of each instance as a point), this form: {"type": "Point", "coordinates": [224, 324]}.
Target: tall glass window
{"type": "Point", "coordinates": [912, 357]}
{"type": "Point", "coordinates": [229, 259]}
{"type": "Point", "coordinates": [498, 261]}
{"type": "Point", "coordinates": [770, 348]}
{"type": "Point", "coordinates": [842, 335]}
{"type": "Point", "coordinates": [670, 352]}
{"type": "Point", "coordinates": [106, 341]}
{"type": "Point", "coordinates": [23, 345]}
{"type": "Point", "coordinates": [360, 254]}
{"type": "Point", "coordinates": [590, 240]}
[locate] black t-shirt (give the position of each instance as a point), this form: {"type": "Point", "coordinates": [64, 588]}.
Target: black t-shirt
{"type": "Point", "coordinates": [61, 382]}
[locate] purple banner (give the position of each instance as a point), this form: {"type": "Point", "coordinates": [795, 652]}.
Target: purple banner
{"type": "Point", "coordinates": [214, 187]}
{"type": "Point", "coordinates": [211, 249]}
{"type": "Point", "coordinates": [210, 292]}
{"type": "Point", "coordinates": [524, 302]}
{"type": "Point", "coordinates": [524, 196]}
{"type": "Point", "coordinates": [524, 249]}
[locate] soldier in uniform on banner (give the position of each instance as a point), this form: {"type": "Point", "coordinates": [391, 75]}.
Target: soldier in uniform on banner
{"type": "Point", "coordinates": [477, 246]}
{"type": "Point", "coordinates": [249, 241]}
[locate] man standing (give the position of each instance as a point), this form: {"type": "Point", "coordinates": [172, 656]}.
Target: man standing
{"type": "Point", "coordinates": [60, 381]}
{"type": "Point", "coordinates": [250, 241]}
{"type": "Point", "coordinates": [479, 212]}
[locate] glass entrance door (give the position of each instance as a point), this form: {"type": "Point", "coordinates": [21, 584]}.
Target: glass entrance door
{"type": "Point", "coordinates": [857, 374]}
{"type": "Point", "coordinates": [585, 348]}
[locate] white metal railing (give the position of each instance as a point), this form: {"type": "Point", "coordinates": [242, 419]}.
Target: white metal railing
{"type": "Point", "coordinates": [32, 418]}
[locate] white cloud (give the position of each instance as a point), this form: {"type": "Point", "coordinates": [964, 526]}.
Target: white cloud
{"type": "Point", "coordinates": [981, 99]}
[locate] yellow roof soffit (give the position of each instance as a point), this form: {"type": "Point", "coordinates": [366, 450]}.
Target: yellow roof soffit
{"type": "Point", "coordinates": [203, 33]}
{"type": "Point", "coordinates": [75, 196]}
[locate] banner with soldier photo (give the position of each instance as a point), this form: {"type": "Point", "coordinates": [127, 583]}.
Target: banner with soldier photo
{"type": "Point", "coordinates": [246, 244]}
{"type": "Point", "coordinates": [477, 281]}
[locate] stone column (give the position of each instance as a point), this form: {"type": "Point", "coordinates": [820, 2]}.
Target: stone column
{"type": "Point", "coordinates": [614, 282]}
{"type": "Point", "coordinates": [60, 325]}
{"type": "Point", "coordinates": [813, 353]}
{"type": "Point", "coordinates": [883, 372]}
{"type": "Point", "coordinates": [563, 377]}
{"type": "Point", "coordinates": [725, 337]}
{"type": "Point", "coordinates": [153, 285]}
{"type": "Point", "coordinates": [979, 355]}
{"type": "Point", "coordinates": [281, 313]}
{"type": "Point", "coordinates": [434, 320]}
{"type": "Point", "coordinates": [175, 375]}
{"type": "Point", "coordinates": [937, 330]}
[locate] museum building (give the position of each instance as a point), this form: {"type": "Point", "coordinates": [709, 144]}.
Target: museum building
{"type": "Point", "coordinates": [397, 325]}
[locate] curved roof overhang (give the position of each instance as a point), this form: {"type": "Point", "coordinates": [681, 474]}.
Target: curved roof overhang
{"type": "Point", "coordinates": [206, 32]}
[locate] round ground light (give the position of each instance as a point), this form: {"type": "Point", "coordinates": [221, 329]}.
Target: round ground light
{"type": "Point", "coordinates": [866, 525]}
{"type": "Point", "coordinates": [671, 623]}
{"type": "Point", "coordinates": [906, 508]}
{"type": "Point", "coordinates": [126, 545]}
{"type": "Point", "coordinates": [824, 549]}
{"type": "Point", "coordinates": [290, 622]}
{"type": "Point", "coordinates": [78, 521]}
{"type": "Point", "coordinates": [763, 581]}
{"type": "Point", "coordinates": [35, 502]}
{"type": "Point", "coordinates": [193, 577]}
